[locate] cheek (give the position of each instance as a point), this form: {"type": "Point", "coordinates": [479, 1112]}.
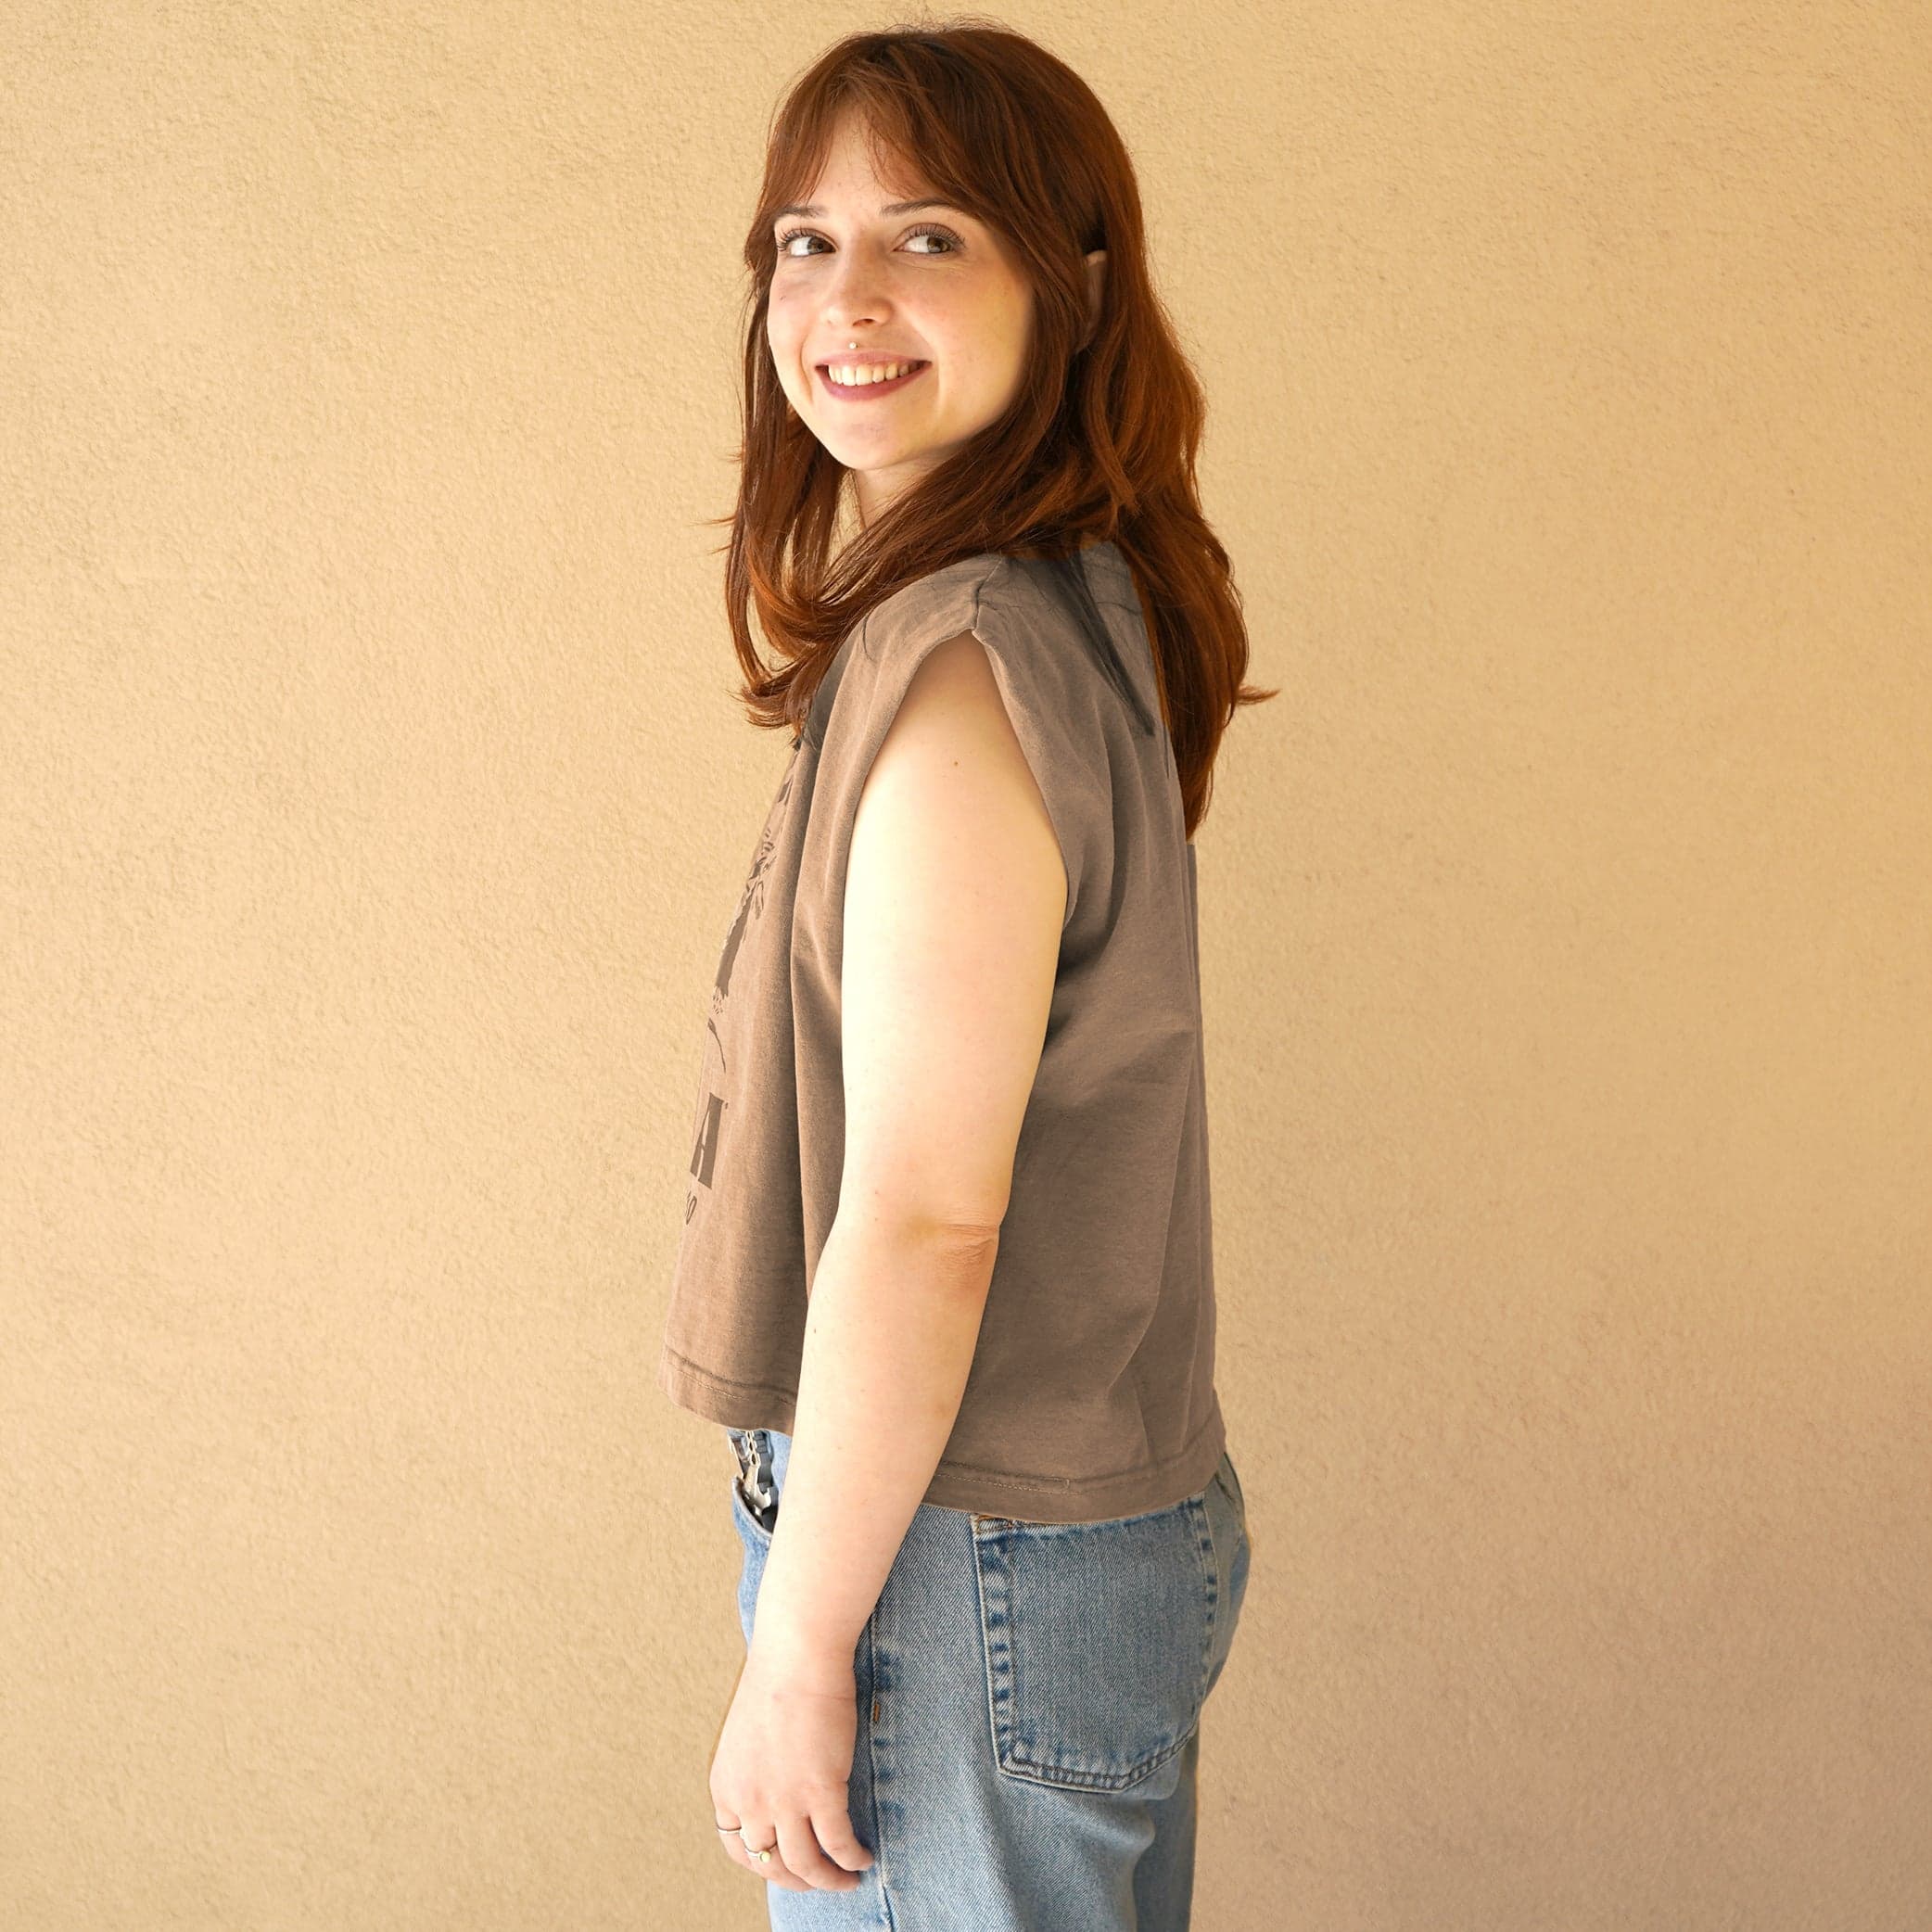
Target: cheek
{"type": "Point", "coordinates": [784, 345]}
{"type": "Point", "coordinates": [783, 315]}
{"type": "Point", "coordinates": [986, 373]}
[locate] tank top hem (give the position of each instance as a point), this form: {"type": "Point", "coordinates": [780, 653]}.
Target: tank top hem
{"type": "Point", "coordinates": [964, 1486]}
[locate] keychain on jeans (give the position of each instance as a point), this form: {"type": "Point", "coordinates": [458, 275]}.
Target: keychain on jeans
{"type": "Point", "coordinates": [761, 1501]}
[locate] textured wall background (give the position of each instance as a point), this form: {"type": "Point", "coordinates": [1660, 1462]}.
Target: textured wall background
{"type": "Point", "coordinates": [372, 803]}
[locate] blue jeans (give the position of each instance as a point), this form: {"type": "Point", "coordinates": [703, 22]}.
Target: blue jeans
{"type": "Point", "coordinates": [1029, 1710]}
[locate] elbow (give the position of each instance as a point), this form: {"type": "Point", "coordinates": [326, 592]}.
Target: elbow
{"type": "Point", "coordinates": [917, 1240]}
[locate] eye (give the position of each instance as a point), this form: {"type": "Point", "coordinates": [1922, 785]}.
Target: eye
{"type": "Point", "coordinates": [953, 244]}
{"type": "Point", "coordinates": [938, 233]}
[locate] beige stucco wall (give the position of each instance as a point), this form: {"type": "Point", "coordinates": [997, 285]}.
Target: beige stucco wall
{"type": "Point", "coordinates": [372, 806]}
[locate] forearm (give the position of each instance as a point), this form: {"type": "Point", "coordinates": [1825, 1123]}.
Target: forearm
{"type": "Point", "coordinates": [890, 1330]}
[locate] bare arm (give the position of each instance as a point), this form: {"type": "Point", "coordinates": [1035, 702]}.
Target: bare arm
{"type": "Point", "coordinates": [955, 896]}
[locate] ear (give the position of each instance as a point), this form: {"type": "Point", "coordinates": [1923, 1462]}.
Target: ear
{"type": "Point", "coordinates": [1095, 278]}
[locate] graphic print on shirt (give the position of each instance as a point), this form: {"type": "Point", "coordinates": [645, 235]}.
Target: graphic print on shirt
{"type": "Point", "coordinates": [707, 1129]}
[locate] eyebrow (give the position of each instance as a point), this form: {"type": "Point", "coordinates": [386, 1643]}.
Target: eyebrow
{"type": "Point", "coordinates": [811, 210]}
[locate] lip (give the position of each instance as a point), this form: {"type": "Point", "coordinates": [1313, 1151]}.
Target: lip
{"type": "Point", "coordinates": [869, 391]}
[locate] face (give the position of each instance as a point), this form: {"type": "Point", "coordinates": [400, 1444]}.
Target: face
{"type": "Point", "coordinates": [928, 286]}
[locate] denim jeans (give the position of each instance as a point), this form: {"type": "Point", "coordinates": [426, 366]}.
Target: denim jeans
{"type": "Point", "coordinates": [1029, 1710]}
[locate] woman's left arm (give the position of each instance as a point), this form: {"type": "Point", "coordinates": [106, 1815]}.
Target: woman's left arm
{"type": "Point", "coordinates": [955, 896]}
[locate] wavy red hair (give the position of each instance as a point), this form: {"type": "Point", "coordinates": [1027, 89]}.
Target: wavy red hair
{"type": "Point", "coordinates": [1098, 444]}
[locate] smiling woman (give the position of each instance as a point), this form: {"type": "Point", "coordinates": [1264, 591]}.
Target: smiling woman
{"type": "Point", "coordinates": [872, 287]}
{"type": "Point", "coordinates": [945, 1271]}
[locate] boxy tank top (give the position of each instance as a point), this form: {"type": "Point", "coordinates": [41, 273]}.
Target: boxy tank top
{"type": "Point", "coordinates": [1091, 1393]}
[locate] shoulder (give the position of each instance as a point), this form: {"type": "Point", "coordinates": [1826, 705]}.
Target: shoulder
{"type": "Point", "coordinates": [952, 791]}
{"type": "Point", "coordinates": [1035, 613]}
{"type": "Point", "coordinates": [1048, 649]}
{"type": "Point", "coordinates": [955, 708]}
{"type": "Point", "coordinates": [940, 605]}
{"type": "Point", "coordinates": [1017, 706]}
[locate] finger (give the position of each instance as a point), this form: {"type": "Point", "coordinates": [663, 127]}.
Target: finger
{"type": "Point", "coordinates": [831, 1826]}
{"type": "Point", "coordinates": [800, 1846]}
{"type": "Point", "coordinates": [774, 1870]}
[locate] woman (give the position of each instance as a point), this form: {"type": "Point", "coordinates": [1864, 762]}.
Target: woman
{"type": "Point", "coordinates": [946, 1270]}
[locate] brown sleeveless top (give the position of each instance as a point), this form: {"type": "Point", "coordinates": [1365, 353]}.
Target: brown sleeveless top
{"type": "Point", "coordinates": [1091, 1393]}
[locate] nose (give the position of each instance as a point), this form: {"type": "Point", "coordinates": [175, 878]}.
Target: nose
{"type": "Point", "coordinates": [852, 297]}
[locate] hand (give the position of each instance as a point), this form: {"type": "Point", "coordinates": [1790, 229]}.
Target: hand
{"type": "Point", "coordinates": [783, 1769]}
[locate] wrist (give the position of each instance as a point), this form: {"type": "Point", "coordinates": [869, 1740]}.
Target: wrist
{"type": "Point", "coordinates": [797, 1655]}
{"type": "Point", "coordinates": [805, 1617]}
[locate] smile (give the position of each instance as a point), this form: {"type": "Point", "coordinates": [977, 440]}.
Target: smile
{"type": "Point", "coordinates": [866, 391]}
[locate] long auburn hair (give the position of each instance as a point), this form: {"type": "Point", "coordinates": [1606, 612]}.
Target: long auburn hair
{"type": "Point", "coordinates": [1098, 444]}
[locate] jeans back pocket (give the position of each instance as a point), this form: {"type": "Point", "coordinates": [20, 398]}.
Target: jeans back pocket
{"type": "Point", "coordinates": [1099, 1641]}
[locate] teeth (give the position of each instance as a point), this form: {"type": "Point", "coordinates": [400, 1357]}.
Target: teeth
{"type": "Point", "coordinates": [859, 379]}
